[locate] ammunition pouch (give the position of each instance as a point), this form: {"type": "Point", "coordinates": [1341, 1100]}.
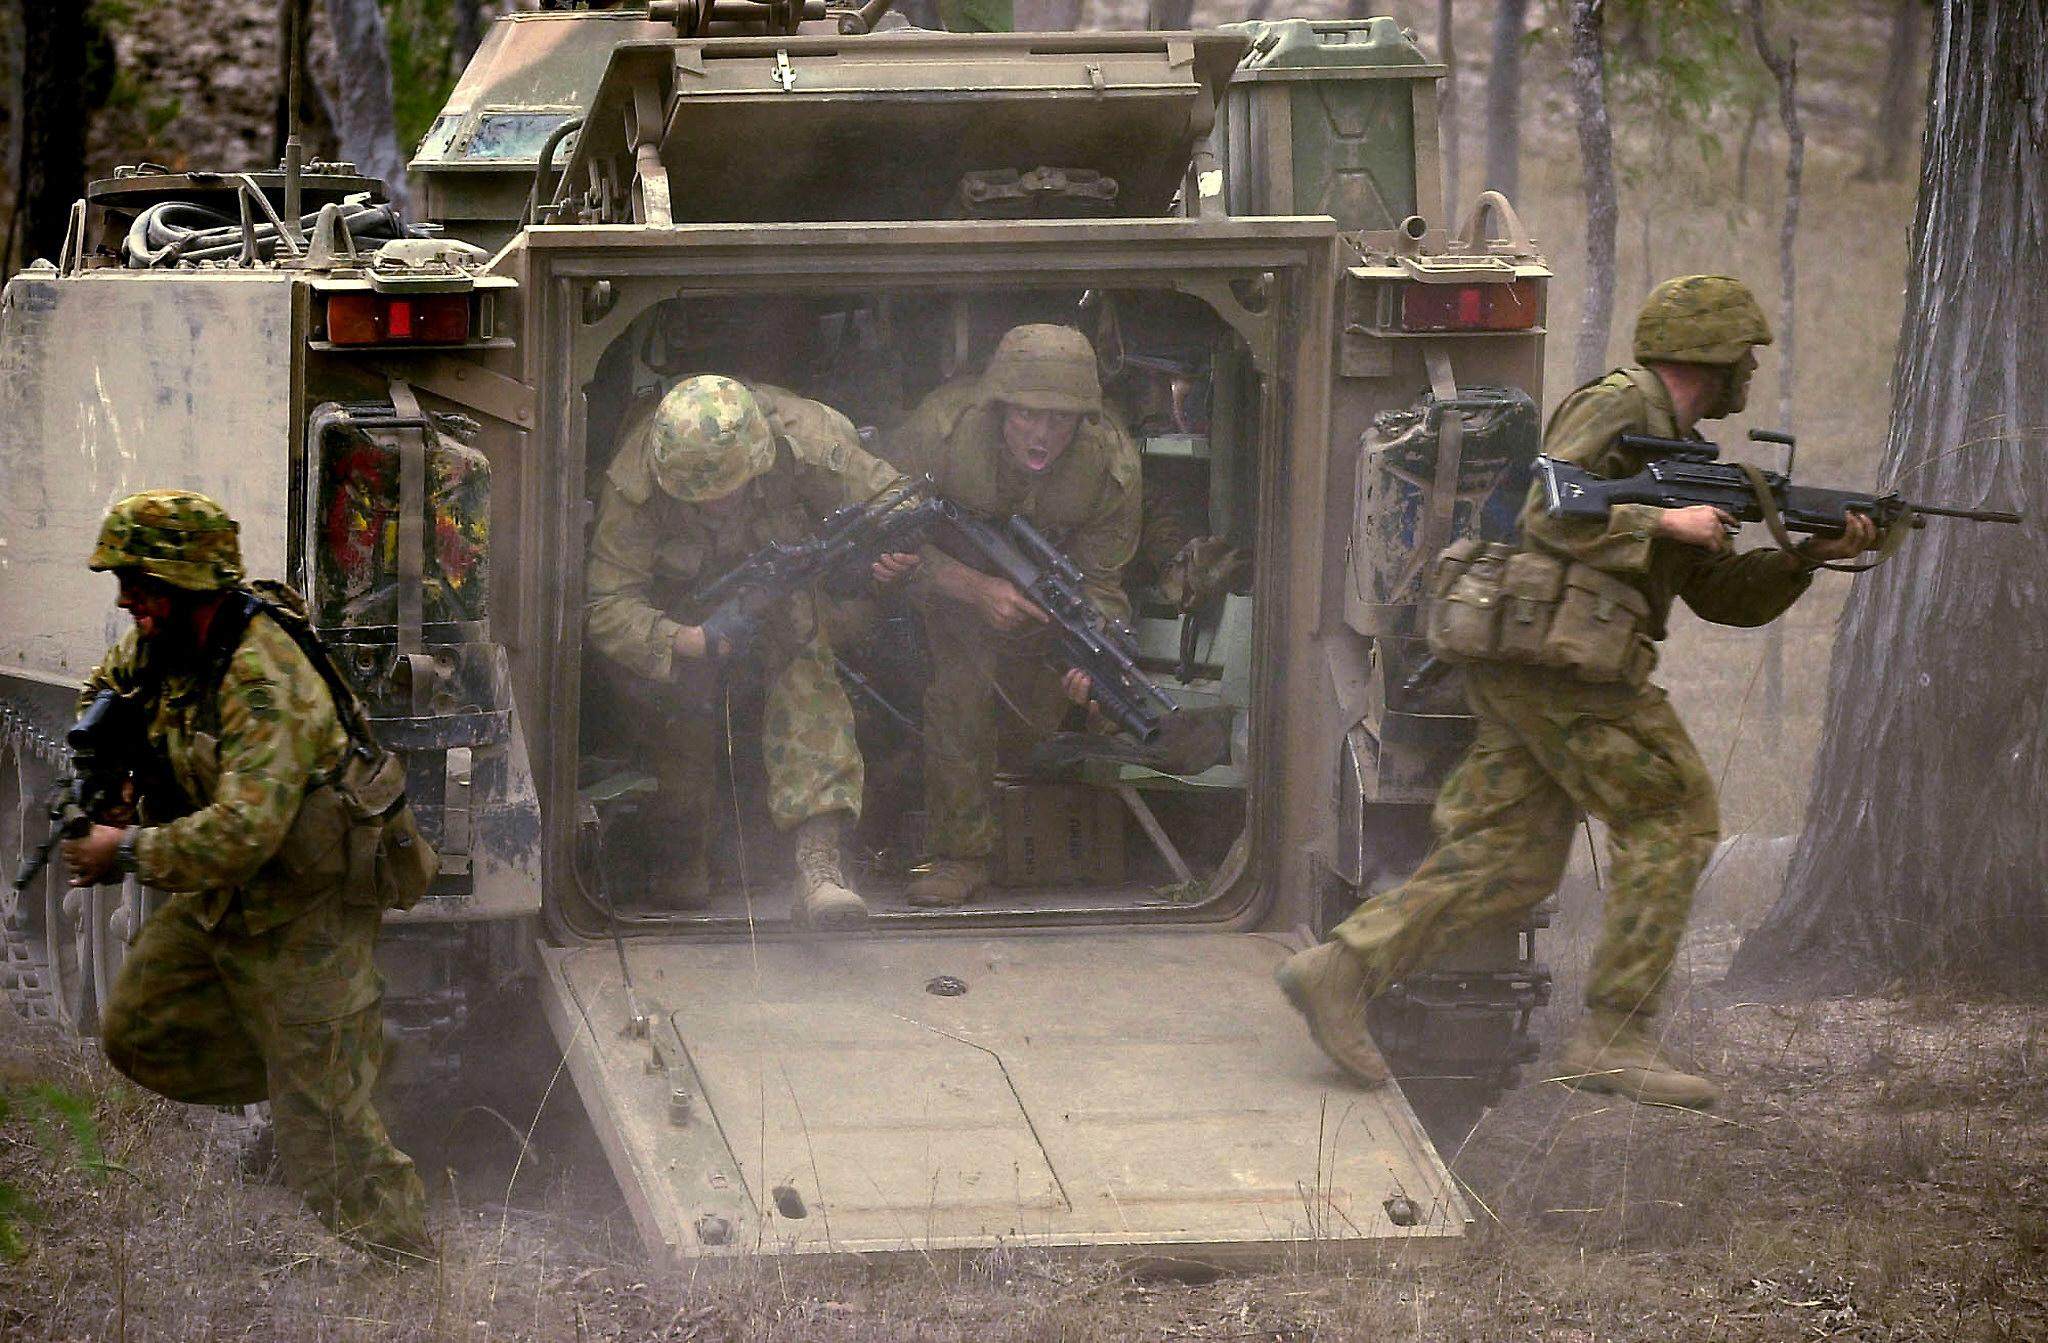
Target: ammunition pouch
{"type": "Point", "coordinates": [389, 863]}
{"type": "Point", "coordinates": [1489, 602]}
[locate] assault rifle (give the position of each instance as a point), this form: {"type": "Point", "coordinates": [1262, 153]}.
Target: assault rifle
{"type": "Point", "coordinates": [1683, 472]}
{"type": "Point", "coordinates": [847, 542]}
{"type": "Point", "coordinates": [102, 744]}
{"type": "Point", "coordinates": [1090, 641]}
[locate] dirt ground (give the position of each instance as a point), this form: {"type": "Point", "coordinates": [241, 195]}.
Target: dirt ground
{"type": "Point", "coordinates": [1878, 1172]}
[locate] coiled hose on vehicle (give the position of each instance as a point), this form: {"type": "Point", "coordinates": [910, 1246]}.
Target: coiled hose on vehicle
{"type": "Point", "coordinates": [172, 233]}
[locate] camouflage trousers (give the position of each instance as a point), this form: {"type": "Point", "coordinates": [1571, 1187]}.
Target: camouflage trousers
{"type": "Point", "coordinates": [989, 691]}
{"type": "Point", "coordinates": [807, 745]}
{"type": "Point", "coordinates": [289, 1015]}
{"type": "Point", "coordinates": [1550, 747]}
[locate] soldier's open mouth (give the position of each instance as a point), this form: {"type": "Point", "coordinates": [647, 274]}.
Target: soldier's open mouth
{"type": "Point", "coordinates": [1037, 459]}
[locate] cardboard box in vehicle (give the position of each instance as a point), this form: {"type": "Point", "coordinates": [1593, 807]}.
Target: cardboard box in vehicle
{"type": "Point", "coordinates": [1060, 834]}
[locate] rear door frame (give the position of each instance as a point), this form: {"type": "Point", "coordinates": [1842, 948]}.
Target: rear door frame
{"type": "Point", "coordinates": [1274, 280]}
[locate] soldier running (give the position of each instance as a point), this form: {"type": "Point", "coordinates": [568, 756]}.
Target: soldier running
{"type": "Point", "coordinates": [256, 980]}
{"type": "Point", "coordinates": [712, 474]}
{"type": "Point", "coordinates": [1028, 436]}
{"type": "Point", "coordinates": [1551, 745]}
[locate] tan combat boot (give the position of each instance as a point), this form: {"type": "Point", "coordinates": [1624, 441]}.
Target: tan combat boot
{"type": "Point", "coordinates": [1613, 1053]}
{"type": "Point", "coordinates": [947, 882]}
{"type": "Point", "coordinates": [823, 899]}
{"type": "Point", "coordinates": [1327, 984]}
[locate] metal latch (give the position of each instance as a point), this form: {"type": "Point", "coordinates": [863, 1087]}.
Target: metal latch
{"type": "Point", "coordinates": [785, 74]}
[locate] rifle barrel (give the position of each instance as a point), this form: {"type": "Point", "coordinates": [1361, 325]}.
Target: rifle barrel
{"type": "Point", "coordinates": [1973, 514]}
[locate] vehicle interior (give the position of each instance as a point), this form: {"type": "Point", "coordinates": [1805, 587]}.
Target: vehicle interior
{"type": "Point", "coordinates": [1091, 822]}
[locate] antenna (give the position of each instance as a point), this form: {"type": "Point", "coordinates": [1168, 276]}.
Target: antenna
{"type": "Point", "coordinates": [294, 149]}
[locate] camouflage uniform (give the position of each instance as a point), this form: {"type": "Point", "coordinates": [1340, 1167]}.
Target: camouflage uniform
{"type": "Point", "coordinates": [257, 979]}
{"type": "Point", "coordinates": [653, 546]}
{"type": "Point", "coordinates": [1088, 503]}
{"type": "Point", "coordinates": [1551, 746]}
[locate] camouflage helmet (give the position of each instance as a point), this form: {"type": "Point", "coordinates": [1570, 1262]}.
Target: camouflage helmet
{"type": "Point", "coordinates": [1045, 367]}
{"type": "Point", "coordinates": [1700, 319]}
{"type": "Point", "coordinates": [179, 536]}
{"type": "Point", "coordinates": [709, 438]}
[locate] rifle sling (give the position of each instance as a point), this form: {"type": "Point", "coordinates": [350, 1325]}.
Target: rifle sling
{"type": "Point", "coordinates": [1767, 504]}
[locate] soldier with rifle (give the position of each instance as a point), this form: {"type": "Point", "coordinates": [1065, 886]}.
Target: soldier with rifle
{"type": "Point", "coordinates": [1568, 721]}
{"type": "Point", "coordinates": [256, 778]}
{"type": "Point", "coordinates": [1026, 439]}
{"type": "Point", "coordinates": [713, 476]}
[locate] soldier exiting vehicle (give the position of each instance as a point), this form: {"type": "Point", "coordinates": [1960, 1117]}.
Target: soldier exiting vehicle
{"type": "Point", "coordinates": [256, 980]}
{"type": "Point", "coordinates": [1556, 740]}
{"type": "Point", "coordinates": [713, 474]}
{"type": "Point", "coordinates": [1027, 437]}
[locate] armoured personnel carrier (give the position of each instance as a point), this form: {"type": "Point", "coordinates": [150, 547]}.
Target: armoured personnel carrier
{"type": "Point", "coordinates": [1323, 368]}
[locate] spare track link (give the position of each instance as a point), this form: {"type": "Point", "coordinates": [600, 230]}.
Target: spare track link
{"type": "Point", "coordinates": [24, 975]}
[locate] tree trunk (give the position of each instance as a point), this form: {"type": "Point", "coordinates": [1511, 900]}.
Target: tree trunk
{"type": "Point", "coordinates": [1926, 838]}
{"type": "Point", "coordinates": [469, 32]}
{"type": "Point", "coordinates": [1504, 98]}
{"type": "Point", "coordinates": [66, 69]}
{"type": "Point", "coordinates": [363, 119]}
{"type": "Point", "coordinates": [1784, 68]}
{"type": "Point", "coordinates": [1170, 15]}
{"type": "Point", "coordinates": [1049, 16]}
{"type": "Point", "coordinates": [1885, 157]}
{"type": "Point", "coordinates": [1588, 73]}
{"type": "Point", "coordinates": [1447, 107]}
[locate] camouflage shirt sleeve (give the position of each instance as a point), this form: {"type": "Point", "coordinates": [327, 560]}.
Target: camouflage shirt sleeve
{"type": "Point", "coordinates": [838, 470]}
{"type": "Point", "coordinates": [619, 619]}
{"type": "Point", "coordinates": [1108, 538]}
{"type": "Point", "coordinates": [1753, 588]}
{"type": "Point", "coordinates": [278, 731]}
{"type": "Point", "coordinates": [1585, 431]}
{"type": "Point", "coordinates": [120, 671]}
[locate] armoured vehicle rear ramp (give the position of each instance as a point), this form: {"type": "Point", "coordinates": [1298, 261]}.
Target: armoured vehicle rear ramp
{"type": "Point", "coordinates": [1144, 1095]}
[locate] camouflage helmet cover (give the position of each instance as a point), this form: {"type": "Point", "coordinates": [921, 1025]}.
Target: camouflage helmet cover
{"type": "Point", "coordinates": [709, 437]}
{"type": "Point", "coordinates": [1700, 319]}
{"type": "Point", "coordinates": [179, 536]}
{"type": "Point", "coordinates": [1044, 367]}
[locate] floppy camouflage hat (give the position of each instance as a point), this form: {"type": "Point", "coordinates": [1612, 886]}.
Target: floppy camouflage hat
{"type": "Point", "coordinates": [179, 536]}
{"type": "Point", "coordinates": [709, 438]}
{"type": "Point", "coordinates": [1045, 367]}
{"type": "Point", "coordinates": [1700, 319]}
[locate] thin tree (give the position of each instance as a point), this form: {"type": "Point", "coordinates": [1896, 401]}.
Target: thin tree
{"type": "Point", "coordinates": [1447, 104]}
{"type": "Point", "coordinates": [1504, 98]}
{"type": "Point", "coordinates": [1885, 157]}
{"type": "Point", "coordinates": [1784, 67]}
{"type": "Point", "coordinates": [1587, 67]}
{"type": "Point", "coordinates": [363, 117]}
{"type": "Point", "coordinates": [1170, 15]}
{"type": "Point", "coordinates": [1926, 838]}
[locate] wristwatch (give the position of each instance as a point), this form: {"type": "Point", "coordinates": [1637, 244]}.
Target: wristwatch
{"type": "Point", "coordinates": [124, 852]}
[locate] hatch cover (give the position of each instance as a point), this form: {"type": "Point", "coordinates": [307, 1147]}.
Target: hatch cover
{"type": "Point", "coordinates": [910, 1095]}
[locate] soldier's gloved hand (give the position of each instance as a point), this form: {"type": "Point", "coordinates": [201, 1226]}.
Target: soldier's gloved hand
{"type": "Point", "coordinates": [730, 630]}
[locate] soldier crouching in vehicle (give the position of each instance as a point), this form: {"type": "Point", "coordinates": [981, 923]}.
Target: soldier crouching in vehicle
{"type": "Point", "coordinates": [716, 472]}
{"type": "Point", "coordinates": [1555, 741]}
{"type": "Point", "coordinates": [1027, 437]}
{"type": "Point", "coordinates": [257, 980]}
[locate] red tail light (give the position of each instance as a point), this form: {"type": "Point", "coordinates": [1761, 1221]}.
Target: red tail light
{"type": "Point", "coordinates": [1469, 307]}
{"type": "Point", "coordinates": [397, 319]}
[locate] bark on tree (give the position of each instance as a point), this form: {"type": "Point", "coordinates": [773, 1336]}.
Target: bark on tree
{"type": "Point", "coordinates": [363, 120]}
{"type": "Point", "coordinates": [1588, 73]}
{"type": "Point", "coordinates": [1784, 68]}
{"type": "Point", "coordinates": [468, 34]}
{"type": "Point", "coordinates": [66, 69]}
{"type": "Point", "coordinates": [1926, 838]}
{"type": "Point", "coordinates": [1504, 98]}
{"type": "Point", "coordinates": [1447, 106]}
{"type": "Point", "coordinates": [1885, 158]}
